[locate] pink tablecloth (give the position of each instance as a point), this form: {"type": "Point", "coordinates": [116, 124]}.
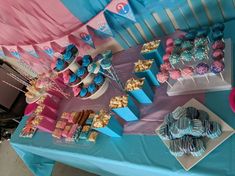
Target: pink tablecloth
{"type": "Point", "coordinates": [151, 115]}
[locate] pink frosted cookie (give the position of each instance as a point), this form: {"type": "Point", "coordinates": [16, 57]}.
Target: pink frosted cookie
{"type": "Point", "coordinates": [219, 44]}
{"type": "Point", "coordinates": [175, 74]}
{"type": "Point", "coordinates": [165, 67]}
{"type": "Point", "coordinates": [218, 54]}
{"type": "Point", "coordinates": [169, 42]}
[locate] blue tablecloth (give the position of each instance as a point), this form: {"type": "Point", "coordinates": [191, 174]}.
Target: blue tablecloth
{"type": "Point", "coordinates": [131, 155]}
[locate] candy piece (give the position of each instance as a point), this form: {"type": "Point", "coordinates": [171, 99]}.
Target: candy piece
{"type": "Point", "coordinates": [73, 118]}
{"type": "Point", "coordinates": [178, 42]}
{"type": "Point", "coordinates": [92, 136]}
{"type": "Point", "coordinates": [162, 77]}
{"type": "Point", "coordinates": [169, 49]}
{"type": "Point", "coordinates": [175, 74]}
{"type": "Point", "coordinates": [192, 112]}
{"type": "Point", "coordinates": [202, 68]}
{"type": "Point", "coordinates": [90, 119]}
{"type": "Point", "coordinates": [200, 42]}
{"type": "Point", "coordinates": [217, 66]}
{"type": "Point", "coordinates": [65, 115]}
{"type": "Point", "coordinates": [169, 42]}
{"type": "Point", "coordinates": [200, 53]}
{"type": "Point", "coordinates": [57, 133]}
{"type": "Point", "coordinates": [166, 57]}
{"type": "Point", "coordinates": [218, 27]}
{"type": "Point", "coordinates": [217, 35]}
{"type": "Point", "coordinates": [66, 131]}
{"type": "Point", "coordinates": [187, 72]}
{"type": "Point", "coordinates": [179, 112]}
{"type": "Point", "coordinates": [165, 67]}
{"type": "Point", "coordinates": [187, 45]}
{"type": "Point", "coordinates": [85, 131]}
{"type": "Point", "coordinates": [218, 44]}
{"type": "Point", "coordinates": [203, 115]}
{"type": "Point", "coordinates": [186, 56]}
{"type": "Point", "coordinates": [61, 124]}
{"type": "Point", "coordinates": [72, 130]}
{"type": "Point", "coordinates": [218, 54]}
{"type": "Point", "coordinates": [174, 59]}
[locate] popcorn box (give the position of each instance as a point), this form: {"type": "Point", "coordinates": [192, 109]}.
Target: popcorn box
{"type": "Point", "coordinates": [112, 129]}
{"type": "Point", "coordinates": [128, 113]}
{"type": "Point", "coordinates": [145, 95]}
{"type": "Point", "coordinates": [150, 74]}
{"type": "Point", "coordinates": [156, 54]}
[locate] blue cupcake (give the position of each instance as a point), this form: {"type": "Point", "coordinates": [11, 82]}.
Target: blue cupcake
{"type": "Point", "coordinates": [83, 92]}
{"type": "Point", "coordinates": [60, 64]}
{"type": "Point", "coordinates": [81, 72]}
{"type": "Point", "coordinates": [71, 48]}
{"type": "Point", "coordinates": [86, 60]}
{"type": "Point", "coordinates": [92, 88]}
{"type": "Point", "coordinates": [68, 56]}
{"type": "Point", "coordinates": [73, 78]}
{"type": "Point", "coordinates": [99, 79]}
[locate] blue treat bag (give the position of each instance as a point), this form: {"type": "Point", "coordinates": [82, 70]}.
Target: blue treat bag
{"type": "Point", "coordinates": [125, 107]}
{"type": "Point", "coordinates": [140, 90]}
{"type": "Point", "coordinates": [153, 50]}
{"type": "Point", "coordinates": [147, 69]}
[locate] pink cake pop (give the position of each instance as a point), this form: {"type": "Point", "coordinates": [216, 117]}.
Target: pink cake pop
{"type": "Point", "coordinates": [169, 42]}
{"type": "Point", "coordinates": [218, 54]}
{"type": "Point", "coordinates": [165, 67]}
{"type": "Point", "coordinates": [187, 72]}
{"type": "Point", "coordinates": [166, 57]}
{"type": "Point", "coordinates": [219, 44]}
{"type": "Point", "coordinates": [169, 49]}
{"type": "Point", "coordinates": [175, 74]}
{"type": "Point", "coordinates": [162, 77]}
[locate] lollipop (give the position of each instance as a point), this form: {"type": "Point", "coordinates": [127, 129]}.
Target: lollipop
{"type": "Point", "coordinates": [218, 67]}
{"type": "Point", "coordinates": [162, 77]}
{"type": "Point", "coordinates": [175, 74]}
{"type": "Point", "coordinates": [201, 54]}
{"type": "Point", "coordinates": [199, 42]}
{"type": "Point", "coordinates": [186, 56]}
{"type": "Point", "coordinates": [165, 67]}
{"type": "Point", "coordinates": [218, 54]}
{"type": "Point", "coordinates": [202, 68]}
{"type": "Point", "coordinates": [187, 72]}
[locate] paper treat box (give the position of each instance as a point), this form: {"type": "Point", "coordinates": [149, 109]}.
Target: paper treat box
{"type": "Point", "coordinates": [127, 110]}
{"type": "Point", "coordinates": [153, 50]}
{"type": "Point", "coordinates": [143, 71]}
{"type": "Point", "coordinates": [107, 124]}
{"type": "Point", "coordinates": [140, 90]}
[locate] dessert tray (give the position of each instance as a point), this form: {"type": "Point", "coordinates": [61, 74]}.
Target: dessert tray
{"type": "Point", "coordinates": [188, 161]}
{"type": "Point", "coordinates": [215, 81]}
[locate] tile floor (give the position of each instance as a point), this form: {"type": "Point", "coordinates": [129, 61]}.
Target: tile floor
{"type": "Point", "coordinates": [12, 165]}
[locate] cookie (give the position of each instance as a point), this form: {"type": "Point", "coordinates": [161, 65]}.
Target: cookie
{"type": "Point", "coordinates": [192, 113]}
{"type": "Point", "coordinates": [164, 132]}
{"type": "Point", "coordinates": [175, 150]}
{"type": "Point", "coordinates": [197, 128]}
{"type": "Point", "coordinates": [184, 125]}
{"type": "Point", "coordinates": [213, 130]}
{"type": "Point", "coordinates": [199, 148]}
{"type": "Point", "coordinates": [179, 112]}
{"type": "Point", "coordinates": [168, 119]}
{"type": "Point", "coordinates": [203, 115]}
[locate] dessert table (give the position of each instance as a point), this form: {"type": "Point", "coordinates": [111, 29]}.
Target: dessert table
{"type": "Point", "coordinates": [137, 152]}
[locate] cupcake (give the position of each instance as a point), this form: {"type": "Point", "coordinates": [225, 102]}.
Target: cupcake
{"type": "Point", "coordinates": [60, 64]}
{"type": "Point", "coordinates": [83, 93]}
{"type": "Point", "coordinates": [82, 72]}
{"type": "Point", "coordinates": [68, 57]}
{"type": "Point", "coordinates": [86, 60]}
{"type": "Point", "coordinates": [99, 79]}
{"type": "Point", "coordinates": [72, 48]}
{"type": "Point", "coordinates": [92, 88]}
{"type": "Point", "coordinates": [73, 79]}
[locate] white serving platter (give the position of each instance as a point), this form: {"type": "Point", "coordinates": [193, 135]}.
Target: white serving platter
{"type": "Point", "coordinates": [188, 161]}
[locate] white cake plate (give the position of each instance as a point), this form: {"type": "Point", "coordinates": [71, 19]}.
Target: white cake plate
{"type": "Point", "coordinates": [73, 66]}
{"type": "Point", "coordinates": [188, 161]}
{"type": "Point", "coordinates": [215, 81]}
{"type": "Point", "coordinates": [87, 80]}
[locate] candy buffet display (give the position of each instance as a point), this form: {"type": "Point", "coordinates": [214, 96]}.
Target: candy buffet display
{"type": "Point", "coordinates": [192, 131]}
{"type": "Point", "coordinates": [195, 63]}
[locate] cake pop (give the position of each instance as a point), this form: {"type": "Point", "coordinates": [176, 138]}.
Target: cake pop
{"type": "Point", "coordinates": [162, 77]}
{"type": "Point", "coordinates": [169, 42]}
{"type": "Point", "coordinates": [169, 49]}
{"type": "Point", "coordinates": [165, 67]}
{"type": "Point", "coordinates": [218, 54]}
{"type": "Point", "coordinates": [174, 59]}
{"type": "Point", "coordinates": [166, 58]}
{"type": "Point", "coordinates": [202, 68]}
{"type": "Point", "coordinates": [187, 72]}
{"type": "Point", "coordinates": [175, 74]}
{"type": "Point", "coordinates": [218, 44]}
{"type": "Point", "coordinates": [218, 67]}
